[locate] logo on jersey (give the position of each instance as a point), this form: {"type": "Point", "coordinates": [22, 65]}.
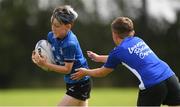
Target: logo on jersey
{"type": "Point", "coordinates": [140, 49]}
{"type": "Point", "coordinates": [53, 48]}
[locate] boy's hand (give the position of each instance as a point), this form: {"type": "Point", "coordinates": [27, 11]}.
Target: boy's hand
{"type": "Point", "coordinates": [38, 59]}
{"type": "Point", "coordinates": [81, 72]}
{"type": "Point", "coordinates": [93, 56]}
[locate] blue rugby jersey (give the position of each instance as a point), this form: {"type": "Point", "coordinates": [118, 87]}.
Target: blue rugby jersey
{"type": "Point", "coordinates": [136, 55]}
{"type": "Point", "coordinates": [68, 50]}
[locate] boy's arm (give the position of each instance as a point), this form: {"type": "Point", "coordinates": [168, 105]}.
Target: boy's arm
{"type": "Point", "coordinates": [98, 72]}
{"type": "Point", "coordinates": [97, 58]}
{"type": "Point", "coordinates": [60, 69]}
{"type": "Point", "coordinates": [41, 62]}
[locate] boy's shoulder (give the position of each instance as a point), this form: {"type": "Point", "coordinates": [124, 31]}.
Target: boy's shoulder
{"type": "Point", "coordinates": [50, 35]}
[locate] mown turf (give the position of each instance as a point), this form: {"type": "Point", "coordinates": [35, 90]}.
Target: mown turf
{"type": "Point", "coordinates": [50, 97]}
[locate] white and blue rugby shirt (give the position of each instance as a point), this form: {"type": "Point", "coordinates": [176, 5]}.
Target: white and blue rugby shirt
{"type": "Point", "coordinates": [68, 50]}
{"type": "Point", "coordinates": [136, 55]}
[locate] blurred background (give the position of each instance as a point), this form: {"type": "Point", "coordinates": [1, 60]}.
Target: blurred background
{"type": "Point", "coordinates": [24, 22]}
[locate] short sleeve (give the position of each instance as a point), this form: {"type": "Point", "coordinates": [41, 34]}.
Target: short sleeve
{"type": "Point", "coordinates": [69, 52]}
{"type": "Point", "coordinates": [49, 37]}
{"type": "Point", "coordinates": [112, 61]}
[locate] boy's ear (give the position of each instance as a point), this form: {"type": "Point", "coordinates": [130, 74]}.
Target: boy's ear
{"type": "Point", "coordinates": [115, 34]}
{"type": "Point", "coordinates": [68, 26]}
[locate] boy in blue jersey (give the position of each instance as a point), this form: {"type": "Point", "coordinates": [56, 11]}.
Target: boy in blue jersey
{"type": "Point", "coordinates": [68, 56]}
{"type": "Point", "coordinates": [158, 83]}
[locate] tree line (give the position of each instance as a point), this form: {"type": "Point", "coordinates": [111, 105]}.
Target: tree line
{"type": "Point", "coordinates": [23, 23]}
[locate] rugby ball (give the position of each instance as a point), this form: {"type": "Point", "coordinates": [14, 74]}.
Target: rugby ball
{"type": "Point", "coordinates": [43, 47]}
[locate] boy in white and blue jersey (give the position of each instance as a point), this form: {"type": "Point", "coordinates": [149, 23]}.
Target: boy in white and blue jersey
{"type": "Point", "coordinates": [68, 56]}
{"type": "Point", "coordinates": [158, 83]}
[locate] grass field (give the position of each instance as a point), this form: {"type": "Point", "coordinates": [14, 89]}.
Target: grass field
{"type": "Point", "coordinates": [50, 97]}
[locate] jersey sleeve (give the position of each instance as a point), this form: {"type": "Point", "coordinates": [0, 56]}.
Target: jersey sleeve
{"type": "Point", "coordinates": [112, 60]}
{"type": "Point", "coordinates": [49, 37]}
{"type": "Point", "coordinates": [69, 52]}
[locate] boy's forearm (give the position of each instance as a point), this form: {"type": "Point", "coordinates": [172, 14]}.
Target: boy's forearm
{"type": "Point", "coordinates": [103, 58]}
{"type": "Point", "coordinates": [98, 72]}
{"type": "Point", "coordinates": [57, 68]}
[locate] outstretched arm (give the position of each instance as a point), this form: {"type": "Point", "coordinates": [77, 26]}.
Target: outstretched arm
{"type": "Point", "coordinates": [97, 58]}
{"type": "Point", "coordinates": [98, 72]}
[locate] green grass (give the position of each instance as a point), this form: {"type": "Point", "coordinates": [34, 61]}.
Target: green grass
{"type": "Point", "coordinates": [51, 97]}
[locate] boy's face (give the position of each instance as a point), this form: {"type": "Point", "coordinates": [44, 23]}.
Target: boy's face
{"type": "Point", "coordinates": [59, 29]}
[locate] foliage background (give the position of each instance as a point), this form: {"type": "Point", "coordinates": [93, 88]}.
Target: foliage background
{"type": "Point", "coordinates": [24, 22]}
